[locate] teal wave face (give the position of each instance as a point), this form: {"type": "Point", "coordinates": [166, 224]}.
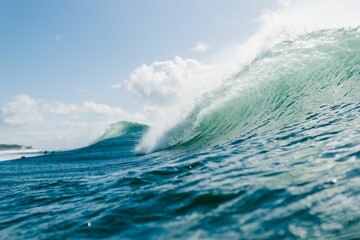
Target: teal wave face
{"type": "Point", "coordinates": [281, 87]}
{"type": "Point", "coordinates": [122, 128]}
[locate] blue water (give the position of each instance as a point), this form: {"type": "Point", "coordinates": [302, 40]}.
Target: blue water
{"type": "Point", "coordinates": [279, 159]}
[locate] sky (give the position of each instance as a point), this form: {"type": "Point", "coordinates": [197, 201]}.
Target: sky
{"type": "Point", "coordinates": [69, 68]}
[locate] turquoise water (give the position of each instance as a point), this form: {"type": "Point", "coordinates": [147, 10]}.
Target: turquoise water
{"type": "Point", "coordinates": [272, 154]}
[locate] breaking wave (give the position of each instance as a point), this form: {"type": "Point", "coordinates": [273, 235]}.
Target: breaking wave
{"type": "Point", "coordinates": [282, 86]}
{"type": "Point", "coordinates": [296, 66]}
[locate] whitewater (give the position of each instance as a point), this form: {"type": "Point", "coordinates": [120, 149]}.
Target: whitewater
{"type": "Point", "coordinates": [270, 151]}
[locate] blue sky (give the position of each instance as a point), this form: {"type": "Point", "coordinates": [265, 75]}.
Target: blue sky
{"type": "Point", "coordinates": [72, 52]}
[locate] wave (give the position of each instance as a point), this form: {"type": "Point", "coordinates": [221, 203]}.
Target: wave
{"type": "Point", "coordinates": [121, 128]}
{"type": "Point", "coordinates": [305, 55]}
{"type": "Point", "coordinates": [281, 86]}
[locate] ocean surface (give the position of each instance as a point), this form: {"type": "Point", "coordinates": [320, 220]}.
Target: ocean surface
{"type": "Point", "coordinates": [274, 153]}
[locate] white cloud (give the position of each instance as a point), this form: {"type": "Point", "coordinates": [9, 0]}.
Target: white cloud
{"type": "Point", "coordinates": [59, 108]}
{"type": "Point", "coordinates": [200, 47]}
{"type": "Point", "coordinates": [117, 85]}
{"type": "Point", "coordinates": [162, 83]}
{"type": "Point", "coordinates": [57, 124]}
{"type": "Point", "coordinates": [22, 110]}
{"type": "Point", "coordinates": [86, 108]}
{"type": "Point", "coordinates": [102, 109]}
{"type": "Point", "coordinates": [58, 37]}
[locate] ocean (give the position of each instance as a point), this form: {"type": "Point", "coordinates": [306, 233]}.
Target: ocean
{"type": "Point", "coordinates": [274, 153]}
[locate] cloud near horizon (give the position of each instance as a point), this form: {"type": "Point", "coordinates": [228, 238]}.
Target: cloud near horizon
{"type": "Point", "coordinates": [22, 110]}
{"type": "Point", "coordinates": [25, 110]}
{"type": "Point", "coordinates": [57, 124]}
{"type": "Point", "coordinates": [58, 37]}
{"type": "Point", "coordinates": [200, 47]}
{"type": "Point", "coordinates": [166, 88]}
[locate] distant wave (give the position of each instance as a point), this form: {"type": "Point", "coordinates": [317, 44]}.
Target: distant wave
{"type": "Point", "coordinates": [121, 128]}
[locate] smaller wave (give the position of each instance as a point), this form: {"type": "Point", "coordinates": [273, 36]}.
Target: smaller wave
{"type": "Point", "coordinates": [121, 128]}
